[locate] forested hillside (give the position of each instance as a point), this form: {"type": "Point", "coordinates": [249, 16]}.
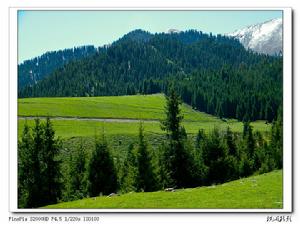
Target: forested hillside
{"type": "Point", "coordinates": [214, 74]}
{"type": "Point", "coordinates": [33, 70]}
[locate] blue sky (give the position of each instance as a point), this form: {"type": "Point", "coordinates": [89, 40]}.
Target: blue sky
{"type": "Point", "coordinates": [42, 31]}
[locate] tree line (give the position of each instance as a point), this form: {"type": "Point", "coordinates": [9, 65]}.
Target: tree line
{"type": "Point", "coordinates": [213, 73]}
{"type": "Point", "coordinates": [180, 162]}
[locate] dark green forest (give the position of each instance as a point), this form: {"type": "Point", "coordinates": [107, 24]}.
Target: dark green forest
{"type": "Point", "coordinates": [33, 70]}
{"type": "Point", "coordinates": [180, 161]}
{"type": "Point", "coordinates": [213, 73]}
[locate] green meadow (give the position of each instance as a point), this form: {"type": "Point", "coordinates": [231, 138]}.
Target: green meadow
{"type": "Point", "coordinates": [125, 107]}
{"type": "Point", "coordinates": [258, 192]}
{"type": "Point", "coordinates": [149, 108]}
{"type": "Point", "coordinates": [77, 128]}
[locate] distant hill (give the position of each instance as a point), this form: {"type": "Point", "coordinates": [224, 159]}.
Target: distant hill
{"type": "Point", "coordinates": [263, 37]}
{"type": "Point", "coordinates": [214, 74]}
{"type": "Point", "coordinates": [33, 70]}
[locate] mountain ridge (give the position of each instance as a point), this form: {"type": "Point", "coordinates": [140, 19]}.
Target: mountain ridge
{"type": "Point", "coordinates": [265, 37]}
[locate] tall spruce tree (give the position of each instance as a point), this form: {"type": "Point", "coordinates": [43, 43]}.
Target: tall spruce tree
{"type": "Point", "coordinates": [247, 150]}
{"type": "Point", "coordinates": [177, 159]}
{"type": "Point", "coordinates": [171, 124]}
{"type": "Point", "coordinates": [36, 190]}
{"type": "Point", "coordinates": [201, 168]}
{"type": "Point", "coordinates": [25, 168]}
{"type": "Point", "coordinates": [249, 139]}
{"type": "Point", "coordinates": [77, 172]}
{"type": "Point", "coordinates": [162, 168]}
{"type": "Point", "coordinates": [128, 180]}
{"type": "Point", "coordinates": [277, 142]}
{"type": "Point", "coordinates": [102, 178]}
{"type": "Point", "coordinates": [232, 149]}
{"type": "Point", "coordinates": [214, 155]}
{"type": "Point", "coordinates": [146, 179]}
{"type": "Point", "coordinates": [50, 165]}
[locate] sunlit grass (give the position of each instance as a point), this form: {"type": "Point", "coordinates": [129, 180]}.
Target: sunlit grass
{"type": "Point", "coordinates": [256, 192]}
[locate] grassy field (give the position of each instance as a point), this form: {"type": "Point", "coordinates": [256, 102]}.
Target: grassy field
{"type": "Point", "coordinates": [132, 107]}
{"type": "Point", "coordinates": [256, 192]}
{"type": "Point", "coordinates": [76, 128]}
{"type": "Point", "coordinates": [144, 107]}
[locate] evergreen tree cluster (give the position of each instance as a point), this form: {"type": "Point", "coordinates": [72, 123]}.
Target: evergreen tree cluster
{"type": "Point", "coordinates": [214, 74]}
{"type": "Point", "coordinates": [39, 177]}
{"type": "Point", "coordinates": [180, 162]}
{"type": "Point", "coordinates": [217, 156]}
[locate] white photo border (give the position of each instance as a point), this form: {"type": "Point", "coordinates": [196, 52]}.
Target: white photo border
{"type": "Point", "coordinates": [287, 112]}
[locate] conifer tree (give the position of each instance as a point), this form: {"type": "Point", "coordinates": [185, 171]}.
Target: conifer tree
{"type": "Point", "coordinates": [145, 179]}
{"type": "Point", "coordinates": [177, 159]}
{"type": "Point", "coordinates": [25, 168]}
{"type": "Point", "coordinates": [277, 142]}
{"type": "Point", "coordinates": [39, 171]}
{"type": "Point", "coordinates": [77, 172]}
{"type": "Point", "coordinates": [36, 189]}
{"type": "Point", "coordinates": [129, 171]}
{"type": "Point", "coordinates": [102, 177]}
{"type": "Point", "coordinates": [232, 150]}
{"type": "Point", "coordinates": [50, 165]}
{"type": "Point", "coordinates": [214, 155]}
{"type": "Point", "coordinates": [162, 169]}
{"type": "Point", "coordinates": [249, 139]}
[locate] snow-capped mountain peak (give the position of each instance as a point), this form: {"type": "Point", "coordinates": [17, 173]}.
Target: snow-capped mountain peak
{"type": "Point", "coordinates": [263, 37]}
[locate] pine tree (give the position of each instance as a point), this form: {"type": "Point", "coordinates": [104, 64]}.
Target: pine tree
{"type": "Point", "coordinates": [214, 155]}
{"type": "Point", "coordinates": [50, 165]}
{"type": "Point", "coordinates": [30, 179]}
{"type": "Point", "coordinates": [201, 168]}
{"type": "Point", "coordinates": [276, 143]}
{"type": "Point", "coordinates": [162, 169]}
{"type": "Point", "coordinates": [129, 171]}
{"type": "Point", "coordinates": [25, 168]}
{"type": "Point", "coordinates": [176, 158]}
{"type": "Point", "coordinates": [248, 150]}
{"type": "Point", "coordinates": [249, 139]}
{"type": "Point", "coordinates": [232, 150]}
{"type": "Point", "coordinates": [36, 189]}
{"type": "Point", "coordinates": [102, 177]}
{"type": "Point", "coordinates": [77, 172]}
{"type": "Point", "coordinates": [39, 172]}
{"type": "Point", "coordinates": [200, 138]}
{"type": "Point", "coordinates": [145, 179]}
{"type": "Point", "coordinates": [173, 116]}
{"type": "Point", "coordinates": [231, 159]}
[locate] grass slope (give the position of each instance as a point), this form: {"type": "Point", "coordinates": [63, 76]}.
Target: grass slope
{"type": "Point", "coordinates": [132, 107]}
{"type": "Point", "coordinates": [75, 128]}
{"type": "Point", "coordinates": [258, 192]}
{"type": "Point", "coordinates": [119, 107]}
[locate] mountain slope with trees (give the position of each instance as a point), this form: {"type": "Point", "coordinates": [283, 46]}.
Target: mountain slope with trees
{"type": "Point", "coordinates": [214, 74]}
{"type": "Point", "coordinates": [33, 70]}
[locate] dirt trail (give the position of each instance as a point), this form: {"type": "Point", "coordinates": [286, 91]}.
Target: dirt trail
{"type": "Point", "coordinates": [109, 120]}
